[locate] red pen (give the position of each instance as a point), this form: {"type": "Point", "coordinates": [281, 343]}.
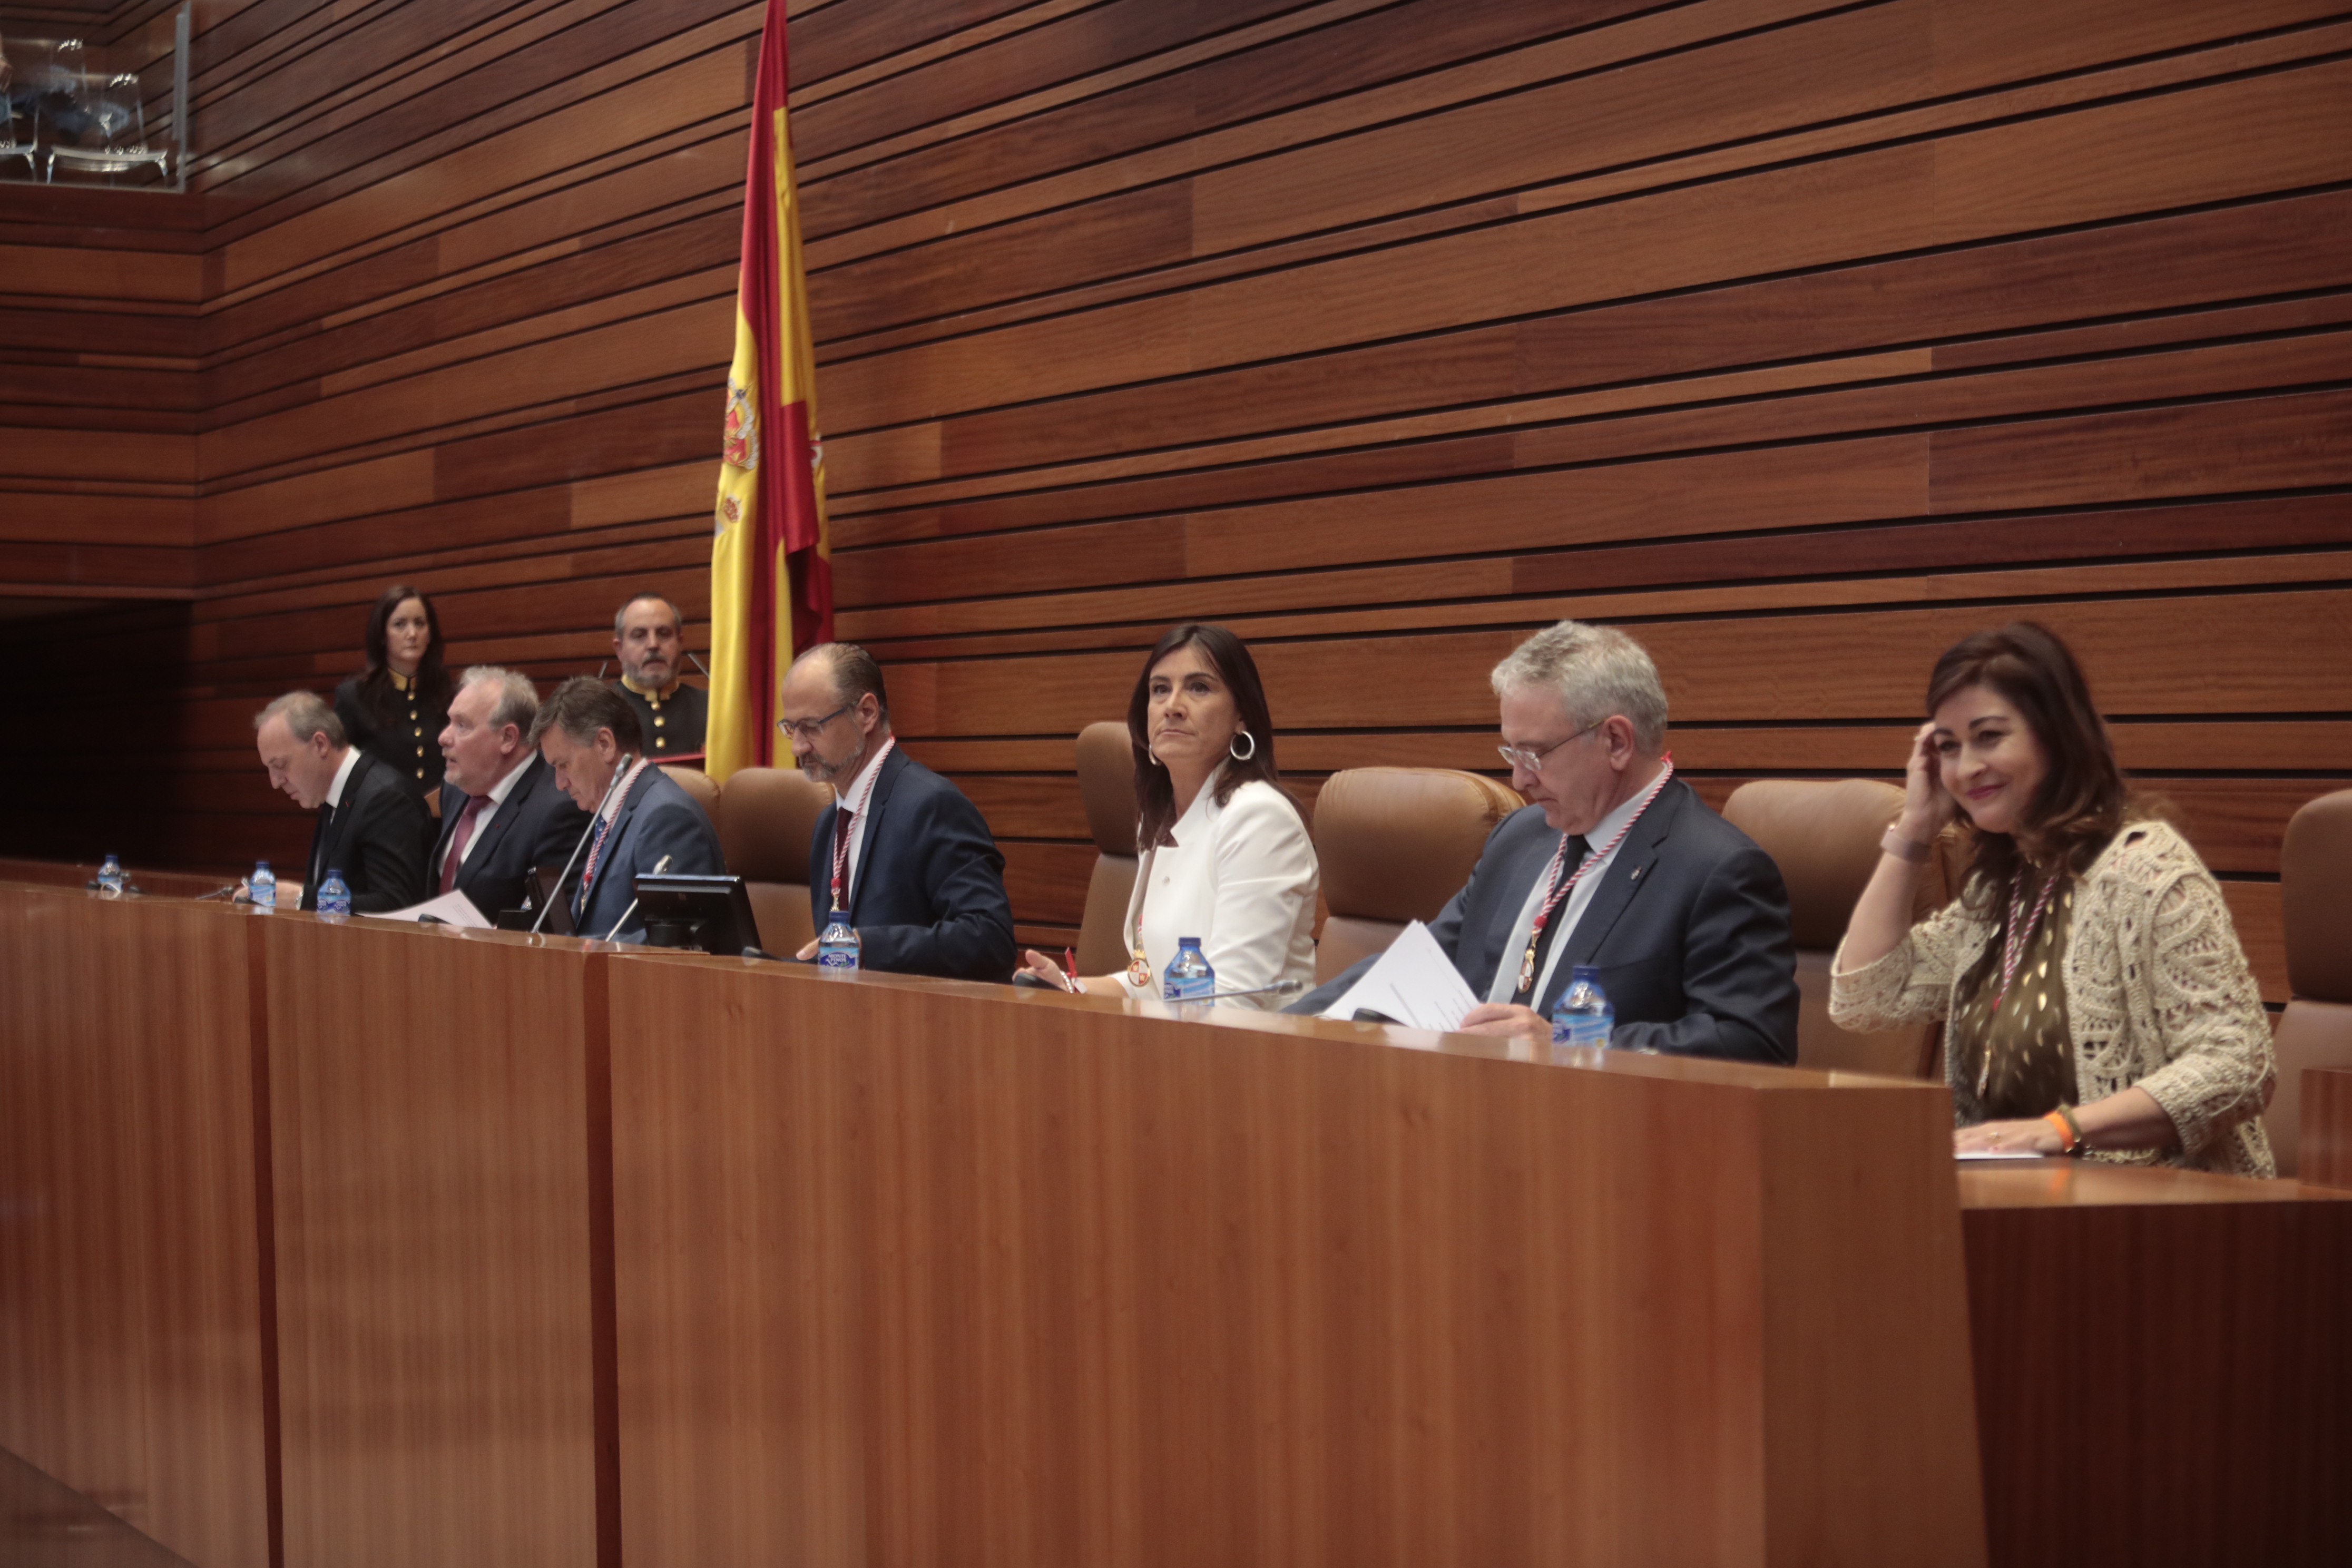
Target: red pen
{"type": "Point", "coordinates": [1070, 970]}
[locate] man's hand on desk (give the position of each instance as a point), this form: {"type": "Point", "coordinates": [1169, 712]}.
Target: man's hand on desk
{"type": "Point", "coordinates": [1508, 1019]}
{"type": "Point", "coordinates": [805, 954]}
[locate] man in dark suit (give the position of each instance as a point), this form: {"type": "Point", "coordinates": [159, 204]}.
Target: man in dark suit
{"type": "Point", "coordinates": [370, 827]}
{"type": "Point", "coordinates": [1614, 863]}
{"type": "Point", "coordinates": [901, 850]}
{"type": "Point", "coordinates": [645, 822]}
{"type": "Point", "coordinates": [501, 812]}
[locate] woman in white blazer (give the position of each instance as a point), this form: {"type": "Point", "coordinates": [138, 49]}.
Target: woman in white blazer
{"type": "Point", "coordinates": [1224, 853]}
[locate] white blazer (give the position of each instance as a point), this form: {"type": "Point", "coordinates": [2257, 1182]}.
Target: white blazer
{"type": "Point", "coordinates": [1241, 876]}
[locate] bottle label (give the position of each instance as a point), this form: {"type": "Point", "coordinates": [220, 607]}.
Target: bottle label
{"type": "Point", "coordinates": [840, 958]}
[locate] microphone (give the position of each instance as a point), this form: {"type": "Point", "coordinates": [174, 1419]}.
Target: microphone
{"type": "Point", "coordinates": [218, 893]}
{"type": "Point", "coordinates": [1279, 988]}
{"type": "Point", "coordinates": [659, 867]}
{"type": "Point", "coordinates": [620, 772]}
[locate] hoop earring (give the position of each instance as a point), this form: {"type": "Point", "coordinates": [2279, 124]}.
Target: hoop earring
{"type": "Point", "coordinates": [1154, 756]}
{"type": "Point", "coordinates": [1242, 757]}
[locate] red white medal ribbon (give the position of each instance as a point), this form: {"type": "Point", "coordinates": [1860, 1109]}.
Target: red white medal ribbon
{"type": "Point", "coordinates": [2014, 945]}
{"type": "Point", "coordinates": [841, 839]}
{"type": "Point", "coordinates": [1561, 890]}
{"type": "Point", "coordinates": [588, 872]}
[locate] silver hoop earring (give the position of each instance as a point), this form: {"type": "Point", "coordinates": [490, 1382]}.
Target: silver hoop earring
{"type": "Point", "coordinates": [1242, 757]}
{"type": "Point", "coordinates": [1154, 756]}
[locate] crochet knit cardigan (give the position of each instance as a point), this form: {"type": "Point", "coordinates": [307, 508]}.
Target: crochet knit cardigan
{"type": "Point", "coordinates": [2159, 995]}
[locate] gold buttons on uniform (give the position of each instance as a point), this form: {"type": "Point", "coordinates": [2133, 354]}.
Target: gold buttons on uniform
{"type": "Point", "coordinates": [658, 721]}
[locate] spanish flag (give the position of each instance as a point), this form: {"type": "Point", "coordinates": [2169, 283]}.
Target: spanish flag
{"type": "Point", "coordinates": [771, 577]}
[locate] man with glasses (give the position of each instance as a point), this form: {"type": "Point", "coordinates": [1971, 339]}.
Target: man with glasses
{"type": "Point", "coordinates": [1616, 863]}
{"type": "Point", "coordinates": [901, 850]}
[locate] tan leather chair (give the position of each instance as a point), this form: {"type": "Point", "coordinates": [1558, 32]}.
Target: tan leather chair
{"type": "Point", "coordinates": [765, 818]}
{"type": "Point", "coordinates": [698, 783]}
{"type": "Point", "coordinates": [1106, 780]}
{"type": "Point", "coordinates": [1824, 834]}
{"type": "Point", "coordinates": [1394, 844]}
{"type": "Point", "coordinates": [2315, 896]}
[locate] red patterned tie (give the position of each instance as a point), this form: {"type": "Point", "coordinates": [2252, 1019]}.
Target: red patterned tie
{"type": "Point", "coordinates": [465, 834]}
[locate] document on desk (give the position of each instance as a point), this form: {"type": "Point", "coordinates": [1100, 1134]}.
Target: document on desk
{"type": "Point", "coordinates": [451, 909]}
{"type": "Point", "coordinates": [1413, 982]}
{"type": "Point", "coordinates": [1996, 1155]}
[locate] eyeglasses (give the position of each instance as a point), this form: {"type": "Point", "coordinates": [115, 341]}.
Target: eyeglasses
{"type": "Point", "coordinates": [1532, 757]}
{"type": "Point", "coordinates": [806, 729]}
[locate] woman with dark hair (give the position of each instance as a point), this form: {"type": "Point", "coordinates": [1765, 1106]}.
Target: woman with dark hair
{"type": "Point", "coordinates": [396, 708]}
{"type": "Point", "coordinates": [1225, 855]}
{"type": "Point", "coordinates": [2097, 998]}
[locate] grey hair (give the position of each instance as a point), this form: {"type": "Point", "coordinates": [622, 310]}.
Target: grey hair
{"type": "Point", "coordinates": [583, 705]}
{"type": "Point", "coordinates": [621, 616]}
{"type": "Point", "coordinates": [518, 702]}
{"type": "Point", "coordinates": [306, 714]}
{"type": "Point", "coordinates": [1595, 672]}
{"type": "Point", "coordinates": [854, 673]}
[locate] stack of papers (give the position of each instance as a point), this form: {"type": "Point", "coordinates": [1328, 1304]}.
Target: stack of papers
{"type": "Point", "coordinates": [452, 908]}
{"type": "Point", "coordinates": [1413, 982]}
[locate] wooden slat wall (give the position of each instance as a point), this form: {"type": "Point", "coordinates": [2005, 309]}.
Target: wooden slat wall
{"type": "Point", "coordinates": [1799, 338]}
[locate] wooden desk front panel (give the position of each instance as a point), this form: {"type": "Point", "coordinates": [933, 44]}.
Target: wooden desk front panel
{"type": "Point", "coordinates": [130, 1326]}
{"type": "Point", "coordinates": [2163, 1375]}
{"type": "Point", "coordinates": [430, 1102]}
{"type": "Point", "coordinates": [931, 1274]}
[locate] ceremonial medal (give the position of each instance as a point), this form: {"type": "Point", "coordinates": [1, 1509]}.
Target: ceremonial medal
{"type": "Point", "coordinates": [1138, 970]}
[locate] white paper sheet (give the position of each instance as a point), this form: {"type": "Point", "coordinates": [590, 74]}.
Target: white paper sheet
{"type": "Point", "coordinates": [455, 908]}
{"type": "Point", "coordinates": [1996, 1155]}
{"type": "Point", "coordinates": [1413, 982]}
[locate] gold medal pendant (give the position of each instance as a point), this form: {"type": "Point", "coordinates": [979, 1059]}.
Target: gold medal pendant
{"type": "Point", "coordinates": [1139, 971]}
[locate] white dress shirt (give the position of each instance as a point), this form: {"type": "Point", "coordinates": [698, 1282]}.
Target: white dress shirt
{"type": "Point", "coordinates": [1242, 877]}
{"type": "Point", "coordinates": [1505, 984]}
{"type": "Point", "coordinates": [342, 776]}
{"type": "Point", "coordinates": [499, 793]}
{"type": "Point", "coordinates": [855, 794]}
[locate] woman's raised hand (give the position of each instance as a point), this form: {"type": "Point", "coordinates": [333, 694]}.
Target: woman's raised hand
{"type": "Point", "coordinates": [1927, 806]}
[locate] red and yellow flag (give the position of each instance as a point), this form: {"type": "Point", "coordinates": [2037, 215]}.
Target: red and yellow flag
{"type": "Point", "coordinates": [771, 573]}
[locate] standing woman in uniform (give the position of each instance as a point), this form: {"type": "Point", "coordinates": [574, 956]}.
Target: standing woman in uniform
{"type": "Point", "coordinates": [397, 707]}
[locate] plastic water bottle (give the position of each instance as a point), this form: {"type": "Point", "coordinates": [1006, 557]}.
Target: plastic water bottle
{"type": "Point", "coordinates": [1582, 1015]}
{"type": "Point", "coordinates": [110, 879]}
{"type": "Point", "coordinates": [335, 896]}
{"type": "Point", "coordinates": [1188, 977]}
{"type": "Point", "coordinates": [261, 891]}
{"type": "Point", "coordinates": [837, 945]}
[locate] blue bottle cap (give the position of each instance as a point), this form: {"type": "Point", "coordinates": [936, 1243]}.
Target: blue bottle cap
{"type": "Point", "coordinates": [1188, 942]}
{"type": "Point", "coordinates": [1576, 971]}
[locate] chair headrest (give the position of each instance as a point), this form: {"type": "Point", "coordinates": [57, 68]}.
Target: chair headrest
{"type": "Point", "coordinates": [1824, 834]}
{"type": "Point", "coordinates": [2316, 897]}
{"type": "Point", "coordinates": [1107, 779]}
{"type": "Point", "coordinates": [765, 819]}
{"type": "Point", "coordinates": [1394, 843]}
{"type": "Point", "coordinates": [698, 783]}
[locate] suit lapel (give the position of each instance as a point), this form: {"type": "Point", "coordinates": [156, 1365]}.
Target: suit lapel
{"type": "Point", "coordinates": [609, 855]}
{"type": "Point", "coordinates": [339, 824]}
{"type": "Point", "coordinates": [487, 836]}
{"type": "Point", "coordinates": [1624, 877]}
{"type": "Point", "coordinates": [885, 784]}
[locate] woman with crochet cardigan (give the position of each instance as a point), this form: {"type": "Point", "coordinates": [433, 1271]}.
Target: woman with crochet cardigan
{"type": "Point", "coordinates": [2097, 996]}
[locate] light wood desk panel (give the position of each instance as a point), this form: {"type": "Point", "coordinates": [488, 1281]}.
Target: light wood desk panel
{"type": "Point", "coordinates": [912, 1272]}
{"type": "Point", "coordinates": [2163, 1375]}
{"type": "Point", "coordinates": [132, 1354]}
{"type": "Point", "coordinates": [430, 1099]}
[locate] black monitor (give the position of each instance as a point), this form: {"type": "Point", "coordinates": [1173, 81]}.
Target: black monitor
{"type": "Point", "coordinates": [713, 913]}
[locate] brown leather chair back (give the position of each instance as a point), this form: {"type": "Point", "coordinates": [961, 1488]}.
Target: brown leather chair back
{"type": "Point", "coordinates": [2316, 897]}
{"type": "Point", "coordinates": [698, 783]}
{"type": "Point", "coordinates": [1106, 780]}
{"type": "Point", "coordinates": [765, 818]}
{"type": "Point", "coordinates": [1824, 836]}
{"type": "Point", "coordinates": [1394, 844]}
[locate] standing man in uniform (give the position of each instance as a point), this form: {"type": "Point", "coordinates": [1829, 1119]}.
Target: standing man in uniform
{"type": "Point", "coordinates": [648, 637]}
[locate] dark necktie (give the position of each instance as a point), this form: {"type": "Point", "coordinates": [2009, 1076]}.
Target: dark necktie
{"type": "Point", "coordinates": [474, 805]}
{"type": "Point", "coordinates": [1569, 862]}
{"type": "Point", "coordinates": [319, 845]}
{"type": "Point", "coordinates": [842, 818]}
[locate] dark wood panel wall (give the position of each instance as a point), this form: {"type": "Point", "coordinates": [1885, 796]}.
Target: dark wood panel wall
{"type": "Point", "coordinates": [1798, 337]}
